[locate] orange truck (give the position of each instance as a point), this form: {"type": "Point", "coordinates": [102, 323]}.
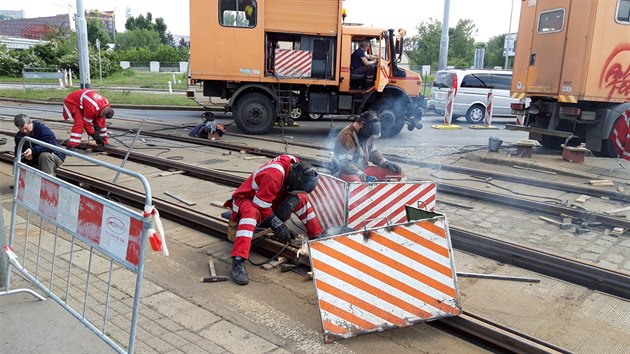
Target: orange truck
{"type": "Point", "coordinates": [573, 62]}
{"type": "Point", "coordinates": [270, 60]}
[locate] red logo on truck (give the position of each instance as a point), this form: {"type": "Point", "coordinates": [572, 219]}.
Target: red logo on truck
{"type": "Point", "coordinates": [613, 75]}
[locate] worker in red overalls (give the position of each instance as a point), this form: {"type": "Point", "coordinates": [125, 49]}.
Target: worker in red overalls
{"type": "Point", "coordinates": [267, 198]}
{"type": "Point", "coordinates": [89, 110]}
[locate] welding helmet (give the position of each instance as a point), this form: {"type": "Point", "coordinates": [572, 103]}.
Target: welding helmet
{"type": "Point", "coordinates": [371, 125]}
{"type": "Point", "coordinates": [302, 178]}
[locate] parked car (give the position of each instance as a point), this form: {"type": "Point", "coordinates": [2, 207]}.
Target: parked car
{"type": "Point", "coordinates": [471, 89]}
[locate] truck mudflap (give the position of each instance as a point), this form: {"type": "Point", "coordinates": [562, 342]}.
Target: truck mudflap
{"type": "Point", "coordinates": [393, 276]}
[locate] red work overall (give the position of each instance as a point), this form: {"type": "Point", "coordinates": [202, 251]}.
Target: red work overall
{"type": "Point", "coordinates": [85, 106]}
{"type": "Point", "coordinates": [262, 193]}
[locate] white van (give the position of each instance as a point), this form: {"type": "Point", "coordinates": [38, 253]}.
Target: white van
{"type": "Point", "coordinates": [471, 89]}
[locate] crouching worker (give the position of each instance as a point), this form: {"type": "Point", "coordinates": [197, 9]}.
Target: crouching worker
{"type": "Point", "coordinates": [266, 199]}
{"type": "Point", "coordinates": [38, 156]}
{"type": "Point", "coordinates": [89, 110]}
{"type": "Point", "coordinates": [354, 150]}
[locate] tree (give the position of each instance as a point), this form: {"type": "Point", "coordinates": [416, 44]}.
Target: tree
{"type": "Point", "coordinates": [138, 38]}
{"type": "Point", "coordinates": [96, 31]}
{"type": "Point", "coordinates": [494, 51]}
{"type": "Point", "coordinates": [139, 22]}
{"type": "Point", "coordinates": [461, 44]}
{"type": "Point", "coordinates": [183, 43]}
{"type": "Point", "coordinates": [424, 47]}
{"type": "Point", "coordinates": [146, 23]}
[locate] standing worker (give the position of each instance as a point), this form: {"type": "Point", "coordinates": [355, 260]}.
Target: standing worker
{"type": "Point", "coordinates": [38, 156]}
{"type": "Point", "coordinates": [267, 198]}
{"type": "Point", "coordinates": [354, 150]}
{"type": "Point", "coordinates": [89, 110]}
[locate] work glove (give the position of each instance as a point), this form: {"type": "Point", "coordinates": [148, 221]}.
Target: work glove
{"type": "Point", "coordinates": [97, 138]}
{"type": "Point", "coordinates": [392, 166]}
{"type": "Point", "coordinates": [371, 179]}
{"type": "Point", "coordinates": [280, 230]}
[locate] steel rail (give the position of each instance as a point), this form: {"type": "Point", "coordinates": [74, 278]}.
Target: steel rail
{"type": "Point", "coordinates": [614, 195]}
{"type": "Point", "coordinates": [505, 339]}
{"type": "Point", "coordinates": [233, 147]}
{"type": "Point", "coordinates": [532, 205]}
{"type": "Point", "coordinates": [608, 281]}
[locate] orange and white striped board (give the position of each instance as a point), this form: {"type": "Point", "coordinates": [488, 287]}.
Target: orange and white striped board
{"type": "Point", "coordinates": [293, 63]}
{"type": "Point", "coordinates": [379, 204]}
{"type": "Point", "coordinates": [384, 278]}
{"type": "Point", "coordinates": [110, 228]}
{"type": "Point", "coordinates": [329, 201]}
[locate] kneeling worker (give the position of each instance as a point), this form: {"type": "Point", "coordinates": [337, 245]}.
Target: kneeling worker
{"type": "Point", "coordinates": [267, 198]}
{"type": "Point", "coordinates": [354, 150]}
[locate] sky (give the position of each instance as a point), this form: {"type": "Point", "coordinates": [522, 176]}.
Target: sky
{"type": "Point", "coordinates": [492, 17]}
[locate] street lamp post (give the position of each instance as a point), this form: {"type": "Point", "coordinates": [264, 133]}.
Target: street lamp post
{"type": "Point", "coordinates": [507, 56]}
{"type": "Point", "coordinates": [100, 70]}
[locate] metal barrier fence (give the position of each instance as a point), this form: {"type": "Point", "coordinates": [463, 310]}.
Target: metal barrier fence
{"type": "Point", "coordinates": [82, 249]}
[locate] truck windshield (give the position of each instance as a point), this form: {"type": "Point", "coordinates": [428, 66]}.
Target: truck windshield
{"type": "Point", "coordinates": [443, 79]}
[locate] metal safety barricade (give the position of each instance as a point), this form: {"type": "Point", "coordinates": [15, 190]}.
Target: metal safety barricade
{"type": "Point", "coordinates": [360, 205]}
{"type": "Point", "coordinates": [388, 277]}
{"type": "Point", "coordinates": [82, 245]}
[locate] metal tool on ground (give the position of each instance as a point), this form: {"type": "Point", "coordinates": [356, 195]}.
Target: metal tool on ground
{"type": "Point", "coordinates": [562, 225]}
{"type": "Point", "coordinates": [213, 278]}
{"type": "Point", "coordinates": [498, 277]}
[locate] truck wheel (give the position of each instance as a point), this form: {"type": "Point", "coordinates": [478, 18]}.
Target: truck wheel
{"type": "Point", "coordinates": [391, 123]}
{"type": "Point", "coordinates": [296, 113]}
{"type": "Point", "coordinates": [476, 113]}
{"type": "Point", "coordinates": [314, 116]}
{"type": "Point", "coordinates": [254, 113]}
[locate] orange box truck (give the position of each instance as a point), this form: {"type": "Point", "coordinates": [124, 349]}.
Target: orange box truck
{"type": "Point", "coordinates": [573, 61]}
{"type": "Point", "coordinates": [271, 60]}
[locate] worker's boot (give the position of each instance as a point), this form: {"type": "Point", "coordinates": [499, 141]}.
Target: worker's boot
{"type": "Point", "coordinates": [239, 275]}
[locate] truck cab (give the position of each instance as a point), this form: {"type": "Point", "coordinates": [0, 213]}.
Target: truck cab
{"type": "Point", "coordinates": [269, 58]}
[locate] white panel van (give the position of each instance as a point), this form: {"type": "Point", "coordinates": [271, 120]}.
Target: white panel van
{"type": "Point", "coordinates": [471, 89]}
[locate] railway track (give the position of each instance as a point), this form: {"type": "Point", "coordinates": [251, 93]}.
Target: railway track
{"type": "Point", "coordinates": [472, 327]}
{"type": "Point", "coordinates": [593, 277]}
{"type": "Point", "coordinates": [492, 335]}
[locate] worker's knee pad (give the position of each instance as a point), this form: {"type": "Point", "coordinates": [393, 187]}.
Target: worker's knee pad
{"type": "Point", "coordinates": [286, 208]}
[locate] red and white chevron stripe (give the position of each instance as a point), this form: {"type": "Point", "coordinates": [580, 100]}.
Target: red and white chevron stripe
{"type": "Point", "coordinates": [293, 63]}
{"type": "Point", "coordinates": [376, 204]}
{"type": "Point", "coordinates": [103, 225]}
{"type": "Point", "coordinates": [620, 135]}
{"type": "Point", "coordinates": [329, 201]}
{"type": "Point", "coordinates": [387, 278]}
{"type": "Point", "coordinates": [487, 120]}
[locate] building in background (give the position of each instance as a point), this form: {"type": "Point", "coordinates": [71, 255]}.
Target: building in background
{"type": "Point", "coordinates": [36, 28]}
{"type": "Point", "coordinates": [107, 18]}
{"type": "Point", "coordinates": [11, 15]}
{"type": "Point", "coordinates": [19, 43]}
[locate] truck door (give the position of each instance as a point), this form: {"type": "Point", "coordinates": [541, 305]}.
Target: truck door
{"type": "Point", "coordinates": [548, 46]}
